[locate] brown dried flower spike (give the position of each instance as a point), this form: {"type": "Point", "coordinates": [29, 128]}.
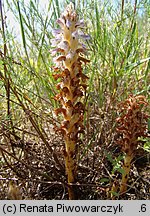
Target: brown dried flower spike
{"type": "Point", "coordinates": [70, 50]}
{"type": "Point", "coordinates": [132, 124]}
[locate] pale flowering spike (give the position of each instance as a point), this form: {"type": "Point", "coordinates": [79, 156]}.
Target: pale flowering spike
{"type": "Point", "coordinates": [69, 35]}
{"type": "Point", "coordinates": [69, 51]}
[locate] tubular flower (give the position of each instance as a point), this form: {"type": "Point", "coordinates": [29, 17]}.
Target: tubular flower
{"type": "Point", "coordinates": [132, 124]}
{"type": "Point", "coordinates": [69, 56]}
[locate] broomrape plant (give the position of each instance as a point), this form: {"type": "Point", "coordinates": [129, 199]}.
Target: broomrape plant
{"type": "Point", "coordinates": [132, 124]}
{"type": "Point", "coordinates": [69, 56]}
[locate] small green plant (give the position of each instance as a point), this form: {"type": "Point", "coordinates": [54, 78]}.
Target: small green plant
{"type": "Point", "coordinates": [146, 145]}
{"type": "Point", "coordinates": [117, 168]}
{"type": "Point", "coordinates": [116, 163]}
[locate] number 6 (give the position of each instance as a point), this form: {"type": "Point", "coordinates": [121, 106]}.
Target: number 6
{"type": "Point", "coordinates": [143, 208]}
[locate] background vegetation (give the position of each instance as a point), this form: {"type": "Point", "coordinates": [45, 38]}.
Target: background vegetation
{"type": "Point", "coordinates": [31, 151]}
